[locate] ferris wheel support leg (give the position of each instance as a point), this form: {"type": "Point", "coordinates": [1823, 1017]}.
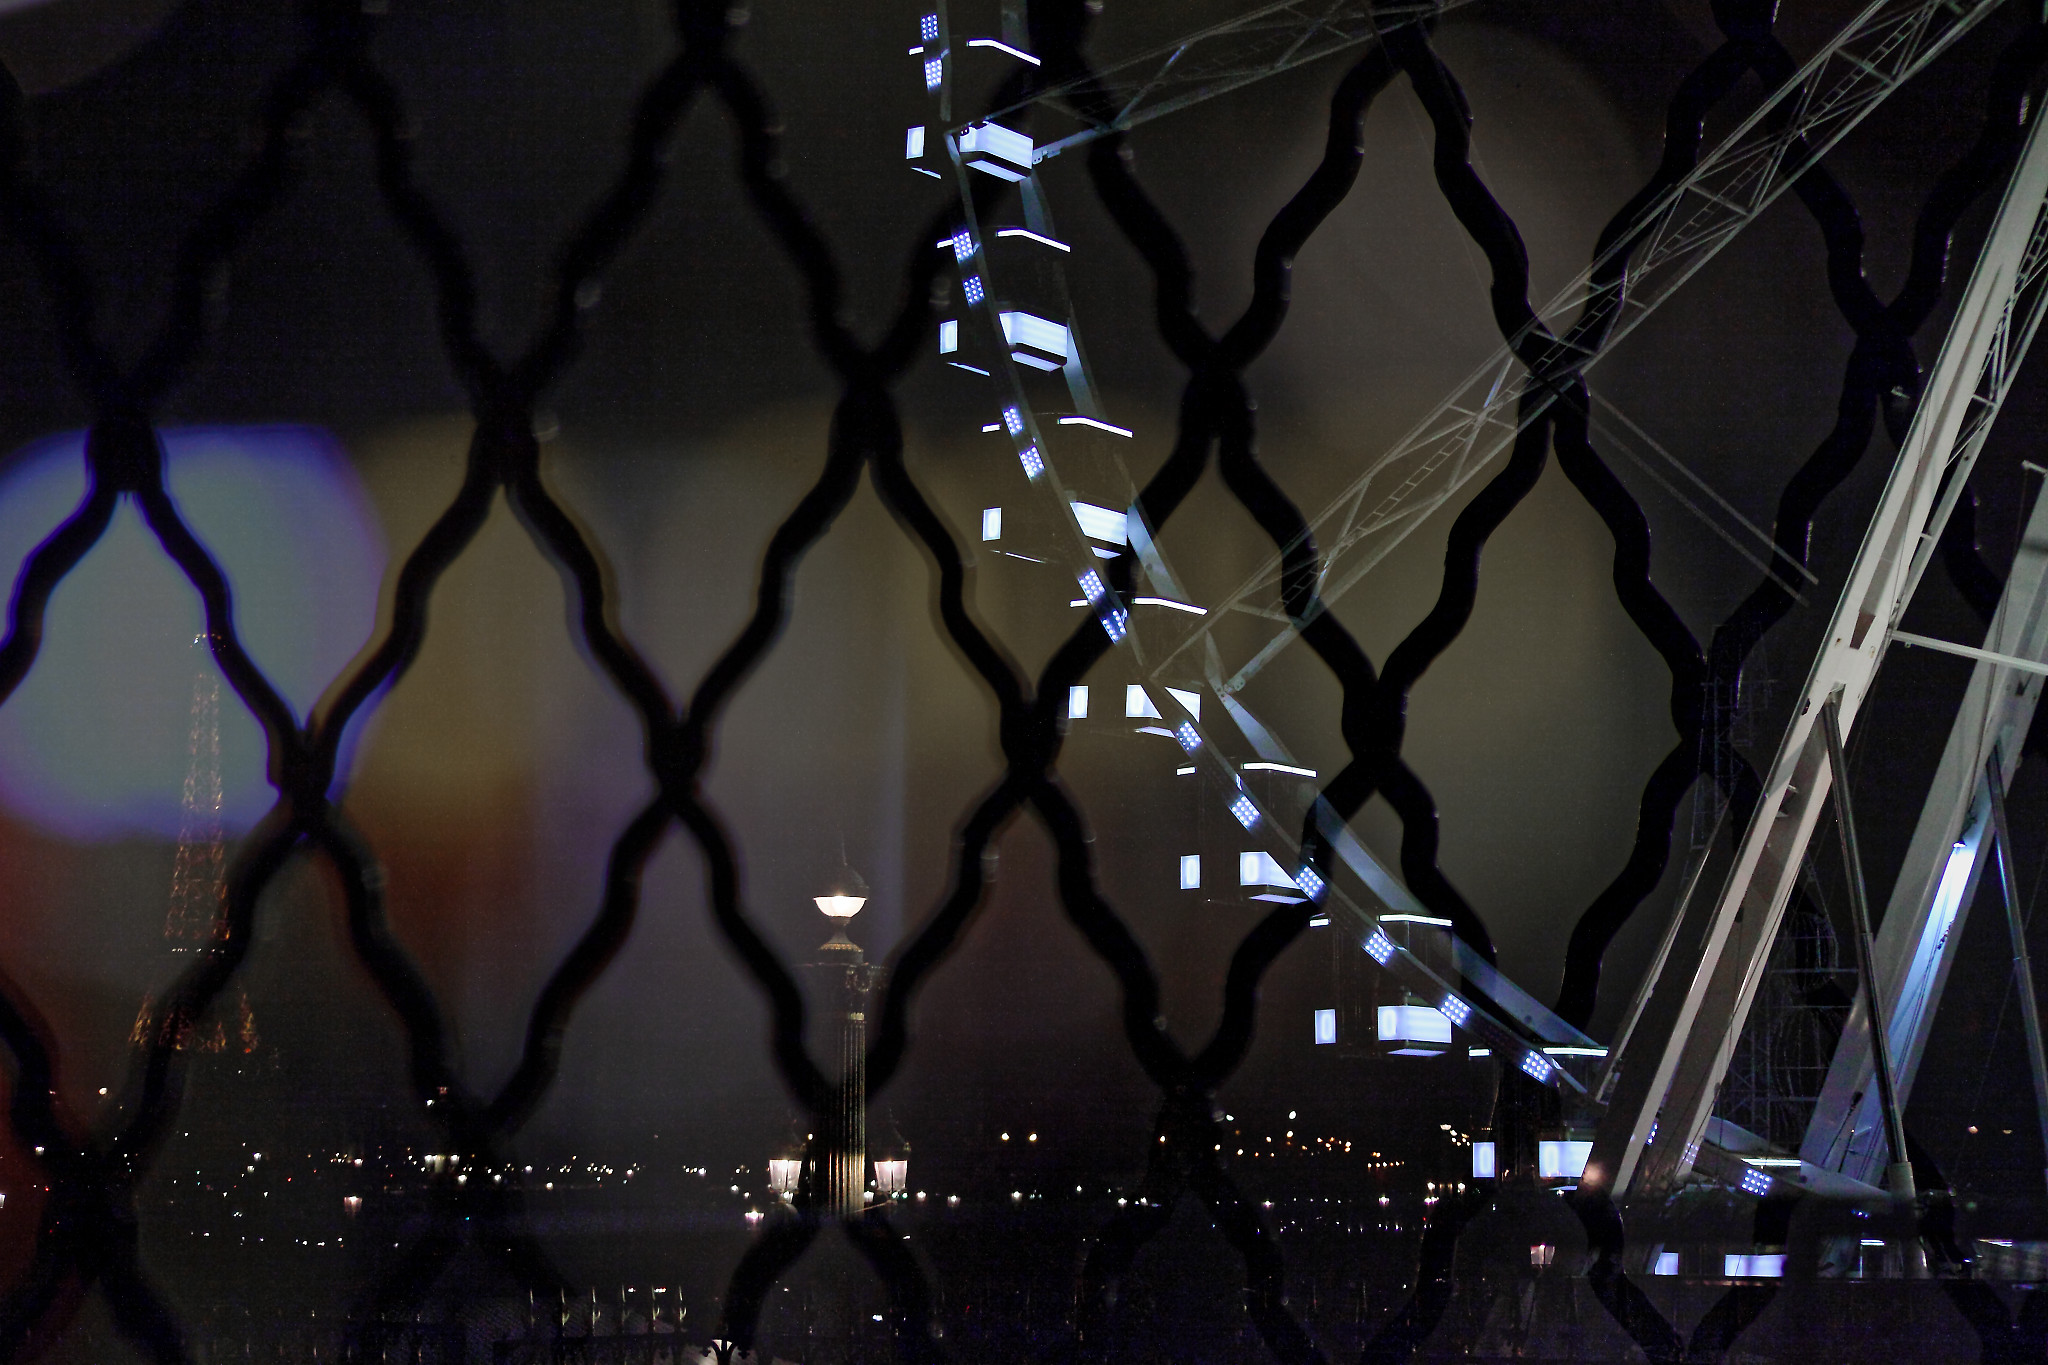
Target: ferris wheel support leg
{"type": "Point", "coordinates": [2022, 970]}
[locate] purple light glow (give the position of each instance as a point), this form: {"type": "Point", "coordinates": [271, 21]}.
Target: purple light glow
{"type": "Point", "coordinates": [98, 741]}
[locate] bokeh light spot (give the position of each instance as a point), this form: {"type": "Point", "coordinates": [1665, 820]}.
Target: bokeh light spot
{"type": "Point", "coordinates": [97, 742]}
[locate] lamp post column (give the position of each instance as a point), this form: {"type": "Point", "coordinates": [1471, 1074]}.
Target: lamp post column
{"type": "Point", "coordinates": [848, 979]}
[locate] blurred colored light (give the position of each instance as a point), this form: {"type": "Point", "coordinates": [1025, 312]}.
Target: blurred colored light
{"type": "Point", "coordinates": [97, 741]}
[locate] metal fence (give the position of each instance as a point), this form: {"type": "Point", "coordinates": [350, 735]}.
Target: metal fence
{"type": "Point", "coordinates": [89, 1234]}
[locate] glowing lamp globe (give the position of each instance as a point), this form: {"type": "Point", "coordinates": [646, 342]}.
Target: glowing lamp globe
{"type": "Point", "coordinates": [845, 896]}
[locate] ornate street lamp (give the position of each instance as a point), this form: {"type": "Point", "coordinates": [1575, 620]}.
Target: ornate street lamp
{"type": "Point", "coordinates": [847, 980]}
{"type": "Point", "coordinates": [892, 1163]}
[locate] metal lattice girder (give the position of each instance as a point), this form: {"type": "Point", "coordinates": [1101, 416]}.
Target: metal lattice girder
{"type": "Point", "coordinates": [1678, 1052]}
{"type": "Point", "coordinates": [1916, 944]}
{"type": "Point", "coordinates": [1885, 45]}
{"type": "Point", "coordinates": [1223, 57]}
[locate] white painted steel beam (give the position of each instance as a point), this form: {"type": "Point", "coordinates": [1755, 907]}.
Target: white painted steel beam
{"type": "Point", "coordinates": [1885, 45]}
{"type": "Point", "coordinates": [2012, 661]}
{"type": "Point", "coordinates": [1679, 1052]}
{"type": "Point", "coordinates": [1930, 901]}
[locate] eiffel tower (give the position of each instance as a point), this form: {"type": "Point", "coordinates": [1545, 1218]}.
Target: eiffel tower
{"type": "Point", "coordinates": [196, 919]}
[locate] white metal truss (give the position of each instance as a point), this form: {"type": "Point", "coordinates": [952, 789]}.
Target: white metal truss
{"type": "Point", "coordinates": [1880, 49]}
{"type": "Point", "coordinates": [1885, 44]}
{"type": "Point", "coordinates": [1678, 1052]}
{"type": "Point", "coordinates": [1223, 57]}
{"type": "Point", "coordinates": [1930, 902]}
